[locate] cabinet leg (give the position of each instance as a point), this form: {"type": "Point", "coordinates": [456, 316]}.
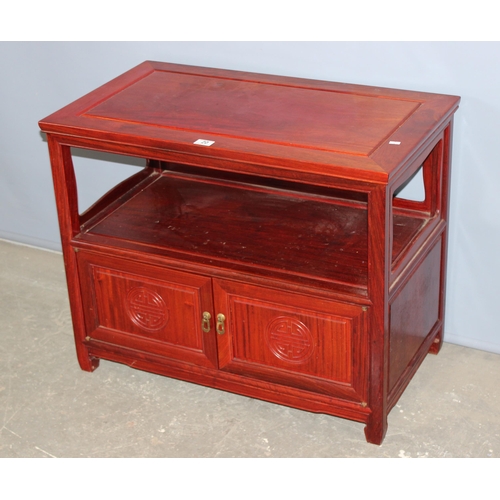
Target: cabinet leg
{"type": "Point", "coordinates": [375, 430]}
{"type": "Point", "coordinates": [87, 363]}
{"type": "Point", "coordinates": [437, 343]}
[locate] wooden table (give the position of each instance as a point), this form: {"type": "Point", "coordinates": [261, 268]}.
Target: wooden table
{"type": "Point", "coordinates": [264, 249]}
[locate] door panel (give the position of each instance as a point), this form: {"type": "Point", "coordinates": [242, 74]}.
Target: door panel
{"type": "Point", "coordinates": [291, 339]}
{"type": "Point", "coordinates": [151, 309]}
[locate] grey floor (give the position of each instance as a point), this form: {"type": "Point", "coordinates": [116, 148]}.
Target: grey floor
{"type": "Point", "coordinates": [50, 408]}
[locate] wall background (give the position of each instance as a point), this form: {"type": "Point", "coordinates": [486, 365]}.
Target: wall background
{"type": "Point", "coordinates": [40, 77]}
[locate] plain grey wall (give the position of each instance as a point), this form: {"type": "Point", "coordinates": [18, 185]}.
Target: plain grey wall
{"type": "Point", "coordinates": [39, 78]}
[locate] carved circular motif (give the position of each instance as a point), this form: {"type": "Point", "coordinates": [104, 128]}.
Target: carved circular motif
{"type": "Point", "coordinates": [147, 309]}
{"type": "Point", "coordinates": [289, 339]}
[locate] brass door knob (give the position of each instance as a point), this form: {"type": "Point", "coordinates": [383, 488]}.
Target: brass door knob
{"type": "Point", "coordinates": [205, 322]}
{"type": "Point", "coordinates": [221, 328]}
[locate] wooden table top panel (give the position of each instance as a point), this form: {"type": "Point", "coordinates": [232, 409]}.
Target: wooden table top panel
{"type": "Point", "coordinates": [309, 125]}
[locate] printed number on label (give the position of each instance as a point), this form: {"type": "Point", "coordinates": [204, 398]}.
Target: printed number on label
{"type": "Point", "coordinates": [203, 142]}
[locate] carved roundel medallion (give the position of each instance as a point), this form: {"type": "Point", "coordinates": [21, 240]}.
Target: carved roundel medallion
{"type": "Point", "coordinates": [147, 309]}
{"type": "Point", "coordinates": [289, 339]}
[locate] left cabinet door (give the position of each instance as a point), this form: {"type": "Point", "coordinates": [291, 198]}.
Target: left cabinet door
{"type": "Point", "coordinates": [146, 308]}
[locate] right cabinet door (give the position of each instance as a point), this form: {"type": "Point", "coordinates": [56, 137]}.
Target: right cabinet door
{"type": "Point", "coordinates": [291, 339]}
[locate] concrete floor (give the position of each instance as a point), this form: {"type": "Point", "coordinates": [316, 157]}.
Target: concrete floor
{"type": "Point", "coordinates": [50, 408]}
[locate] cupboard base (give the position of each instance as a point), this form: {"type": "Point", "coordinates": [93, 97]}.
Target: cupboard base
{"type": "Point", "coordinates": [272, 393]}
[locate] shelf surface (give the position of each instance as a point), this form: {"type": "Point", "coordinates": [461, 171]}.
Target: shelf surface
{"type": "Point", "coordinates": [255, 227]}
{"type": "Point", "coordinates": [266, 231]}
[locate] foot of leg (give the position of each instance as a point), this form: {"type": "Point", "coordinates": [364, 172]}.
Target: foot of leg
{"type": "Point", "coordinates": [375, 430]}
{"type": "Point", "coordinates": [437, 343]}
{"type": "Point", "coordinates": [87, 363]}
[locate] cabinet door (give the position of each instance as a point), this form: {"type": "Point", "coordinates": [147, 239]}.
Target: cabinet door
{"type": "Point", "coordinates": [146, 308]}
{"type": "Point", "coordinates": [291, 339]}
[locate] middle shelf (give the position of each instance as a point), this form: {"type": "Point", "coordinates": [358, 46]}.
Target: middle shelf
{"type": "Point", "coordinates": [294, 235]}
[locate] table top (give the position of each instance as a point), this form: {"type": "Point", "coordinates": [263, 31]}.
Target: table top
{"type": "Point", "coordinates": [362, 132]}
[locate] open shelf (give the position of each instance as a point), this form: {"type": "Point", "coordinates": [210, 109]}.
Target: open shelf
{"type": "Point", "coordinates": [236, 224]}
{"type": "Point", "coordinates": [406, 227]}
{"type": "Point", "coordinates": [240, 226]}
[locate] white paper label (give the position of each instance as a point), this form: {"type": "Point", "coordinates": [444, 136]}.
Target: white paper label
{"type": "Point", "coordinates": [203, 142]}
{"type": "Point", "coordinates": [395, 143]}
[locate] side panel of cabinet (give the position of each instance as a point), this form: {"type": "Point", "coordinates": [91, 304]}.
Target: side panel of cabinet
{"type": "Point", "coordinates": [414, 314]}
{"type": "Point", "coordinates": [294, 340]}
{"type": "Point", "coordinates": [142, 307]}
